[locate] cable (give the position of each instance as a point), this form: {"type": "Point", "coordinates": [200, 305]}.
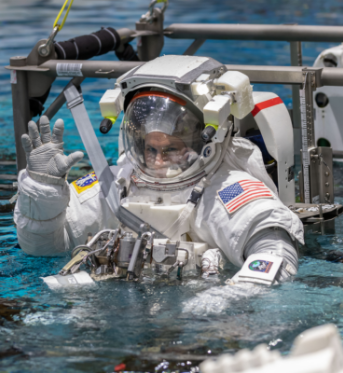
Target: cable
{"type": "Point", "coordinates": [65, 16]}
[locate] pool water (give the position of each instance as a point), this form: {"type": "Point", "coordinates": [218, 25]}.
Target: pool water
{"type": "Point", "coordinates": [154, 325]}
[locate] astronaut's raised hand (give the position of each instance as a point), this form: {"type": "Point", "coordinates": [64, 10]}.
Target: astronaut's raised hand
{"type": "Point", "coordinates": [44, 152]}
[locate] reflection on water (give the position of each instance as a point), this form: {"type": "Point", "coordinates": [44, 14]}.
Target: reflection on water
{"type": "Point", "coordinates": [155, 325]}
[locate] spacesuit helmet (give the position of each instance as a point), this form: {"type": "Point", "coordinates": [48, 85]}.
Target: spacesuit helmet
{"type": "Point", "coordinates": [162, 137]}
{"type": "Point", "coordinates": [168, 104]}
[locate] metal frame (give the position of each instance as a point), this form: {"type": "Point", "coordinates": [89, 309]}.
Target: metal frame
{"type": "Point", "coordinates": [43, 71]}
{"type": "Point", "coordinates": [254, 32]}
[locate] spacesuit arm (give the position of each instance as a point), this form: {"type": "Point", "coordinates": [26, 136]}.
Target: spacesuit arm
{"type": "Point", "coordinates": [43, 193]}
{"type": "Point", "coordinates": [40, 215]}
{"type": "Point", "coordinates": [274, 246]}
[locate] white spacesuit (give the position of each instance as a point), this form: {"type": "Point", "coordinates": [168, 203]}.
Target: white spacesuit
{"type": "Point", "coordinates": [235, 208]}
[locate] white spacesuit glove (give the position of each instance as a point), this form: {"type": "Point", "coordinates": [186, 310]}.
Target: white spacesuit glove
{"type": "Point", "coordinates": [211, 260]}
{"type": "Point", "coordinates": [46, 162]}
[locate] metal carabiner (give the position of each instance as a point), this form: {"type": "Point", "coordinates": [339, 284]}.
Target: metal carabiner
{"type": "Point", "coordinates": [149, 17]}
{"type": "Point", "coordinates": [44, 49]}
{"type": "Point", "coordinates": [154, 2]}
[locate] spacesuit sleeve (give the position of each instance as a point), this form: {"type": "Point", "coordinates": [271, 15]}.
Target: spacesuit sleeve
{"type": "Point", "coordinates": [231, 231]}
{"type": "Point", "coordinates": [52, 219]}
{"type": "Point", "coordinates": [40, 215]}
{"type": "Point", "coordinates": [275, 241]}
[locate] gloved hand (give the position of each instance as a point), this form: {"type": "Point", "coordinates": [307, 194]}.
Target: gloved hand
{"type": "Point", "coordinates": [44, 153]}
{"type": "Point", "coordinates": [210, 262]}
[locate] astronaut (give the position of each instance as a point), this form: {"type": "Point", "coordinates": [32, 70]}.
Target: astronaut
{"type": "Point", "coordinates": [228, 199]}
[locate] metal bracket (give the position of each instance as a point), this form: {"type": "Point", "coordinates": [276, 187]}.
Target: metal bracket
{"type": "Point", "coordinates": [316, 161]}
{"type": "Point", "coordinates": [44, 49]}
{"type": "Point", "coordinates": [137, 33]}
{"type": "Point", "coordinates": [316, 74]}
{"type": "Point", "coordinates": [104, 72]}
{"type": "Point", "coordinates": [322, 185]}
{"type": "Point", "coordinates": [149, 17]}
{"type": "Point", "coordinates": [307, 131]}
{"type": "Point", "coordinates": [149, 46]}
{"type": "Point", "coordinates": [196, 194]}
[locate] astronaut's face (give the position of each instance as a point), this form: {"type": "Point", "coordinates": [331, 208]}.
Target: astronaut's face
{"type": "Point", "coordinates": [163, 151]}
{"type": "Point", "coordinates": [162, 138]}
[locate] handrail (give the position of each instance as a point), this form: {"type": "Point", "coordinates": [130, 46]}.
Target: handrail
{"type": "Point", "coordinates": [255, 32]}
{"type": "Point", "coordinates": [257, 74]}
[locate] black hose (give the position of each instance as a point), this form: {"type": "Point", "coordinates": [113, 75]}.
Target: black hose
{"type": "Point", "coordinates": [83, 48]}
{"type": "Point", "coordinates": [87, 46]}
{"type": "Point", "coordinates": [128, 54]}
{"type": "Point", "coordinates": [36, 103]}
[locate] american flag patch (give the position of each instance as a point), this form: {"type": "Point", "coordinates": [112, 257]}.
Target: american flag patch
{"type": "Point", "coordinates": [238, 194]}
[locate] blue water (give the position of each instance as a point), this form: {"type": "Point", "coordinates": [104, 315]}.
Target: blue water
{"type": "Point", "coordinates": [153, 326]}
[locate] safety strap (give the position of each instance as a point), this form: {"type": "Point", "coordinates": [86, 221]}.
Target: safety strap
{"type": "Point", "coordinates": [65, 15]}
{"type": "Point", "coordinates": [179, 227]}
{"type": "Point", "coordinates": [102, 170]}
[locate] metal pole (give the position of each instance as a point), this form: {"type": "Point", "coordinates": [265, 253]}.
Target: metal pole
{"type": "Point", "coordinates": [254, 32]}
{"type": "Point", "coordinates": [270, 74]}
{"type": "Point", "coordinates": [257, 74]}
{"type": "Point", "coordinates": [197, 43]}
{"type": "Point", "coordinates": [21, 108]}
{"type": "Point", "coordinates": [307, 134]}
{"type": "Point", "coordinates": [93, 69]}
{"type": "Point", "coordinates": [296, 60]}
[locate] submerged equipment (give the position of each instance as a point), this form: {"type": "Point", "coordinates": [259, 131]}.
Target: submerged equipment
{"type": "Point", "coordinates": [118, 254]}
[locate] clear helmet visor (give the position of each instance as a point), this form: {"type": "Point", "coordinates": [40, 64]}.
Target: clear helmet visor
{"type": "Point", "coordinates": [161, 136]}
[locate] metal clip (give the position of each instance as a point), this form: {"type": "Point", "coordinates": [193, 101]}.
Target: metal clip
{"type": "Point", "coordinates": [44, 49]}
{"type": "Point", "coordinates": [78, 258]}
{"type": "Point", "coordinates": [196, 195]}
{"type": "Point", "coordinates": [148, 17]}
{"type": "Point", "coordinates": [101, 72]}
{"type": "Point", "coordinates": [75, 101]}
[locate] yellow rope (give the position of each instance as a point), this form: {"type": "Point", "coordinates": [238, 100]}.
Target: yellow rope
{"type": "Point", "coordinates": [65, 16]}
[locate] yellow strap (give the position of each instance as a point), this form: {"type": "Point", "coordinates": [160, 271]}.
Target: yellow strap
{"type": "Point", "coordinates": [162, 1]}
{"type": "Point", "coordinates": [65, 16]}
{"type": "Point", "coordinates": [211, 125]}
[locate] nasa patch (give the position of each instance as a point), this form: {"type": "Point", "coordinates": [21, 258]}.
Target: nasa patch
{"type": "Point", "coordinates": [85, 182]}
{"type": "Point", "coordinates": [260, 266]}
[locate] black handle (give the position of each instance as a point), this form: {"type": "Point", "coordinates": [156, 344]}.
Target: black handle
{"type": "Point", "coordinates": [87, 46]}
